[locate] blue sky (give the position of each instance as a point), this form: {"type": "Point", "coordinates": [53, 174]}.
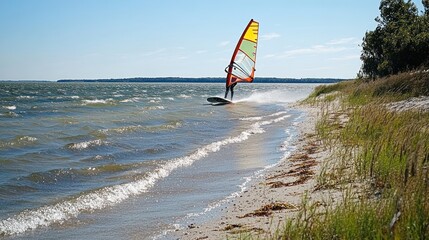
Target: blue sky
{"type": "Point", "coordinates": [62, 39]}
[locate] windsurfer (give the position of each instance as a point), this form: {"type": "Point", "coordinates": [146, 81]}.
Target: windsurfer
{"type": "Point", "coordinates": [230, 87]}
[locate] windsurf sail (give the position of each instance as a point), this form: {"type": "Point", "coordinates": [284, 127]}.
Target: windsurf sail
{"type": "Point", "coordinates": [242, 65]}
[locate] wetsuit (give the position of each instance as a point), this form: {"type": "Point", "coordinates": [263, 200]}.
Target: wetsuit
{"type": "Point", "coordinates": [231, 87]}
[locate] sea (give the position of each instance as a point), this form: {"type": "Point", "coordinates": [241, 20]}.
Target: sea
{"type": "Point", "coordinates": [134, 160]}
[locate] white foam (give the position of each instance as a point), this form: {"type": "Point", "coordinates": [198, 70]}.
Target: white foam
{"type": "Point", "coordinates": [86, 144]}
{"type": "Point", "coordinates": [110, 196]}
{"type": "Point", "coordinates": [13, 107]}
{"type": "Point", "coordinates": [154, 108]}
{"type": "Point", "coordinates": [97, 101]}
{"type": "Point", "coordinates": [27, 139]}
{"type": "Point", "coordinates": [275, 96]}
{"type": "Point", "coordinates": [184, 96]}
{"type": "Point", "coordinates": [18, 141]}
{"type": "Point", "coordinates": [134, 99]}
{"type": "Point", "coordinates": [251, 119]}
{"type": "Point", "coordinates": [25, 97]}
{"type": "Point", "coordinates": [277, 114]}
{"type": "Point", "coordinates": [257, 118]}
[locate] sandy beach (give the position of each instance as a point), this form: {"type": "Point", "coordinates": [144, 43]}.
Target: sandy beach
{"type": "Point", "coordinates": [263, 208]}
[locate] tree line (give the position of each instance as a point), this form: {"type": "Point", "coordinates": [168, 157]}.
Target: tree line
{"type": "Point", "coordinates": [399, 43]}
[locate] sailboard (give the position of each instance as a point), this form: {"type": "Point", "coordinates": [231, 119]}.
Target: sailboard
{"type": "Point", "coordinates": [218, 101]}
{"type": "Point", "coordinates": [242, 65]}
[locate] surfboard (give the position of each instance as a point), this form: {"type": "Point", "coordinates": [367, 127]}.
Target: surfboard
{"type": "Point", "coordinates": [218, 101]}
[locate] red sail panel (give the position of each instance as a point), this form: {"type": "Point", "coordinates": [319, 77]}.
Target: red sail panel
{"type": "Point", "coordinates": [242, 65]}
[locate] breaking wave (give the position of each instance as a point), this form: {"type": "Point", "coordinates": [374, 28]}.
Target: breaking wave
{"type": "Point", "coordinates": [98, 101]}
{"type": "Point", "coordinates": [154, 108]}
{"type": "Point", "coordinates": [13, 107]}
{"type": "Point", "coordinates": [18, 141]}
{"type": "Point", "coordinates": [132, 100]}
{"type": "Point", "coordinates": [86, 144]}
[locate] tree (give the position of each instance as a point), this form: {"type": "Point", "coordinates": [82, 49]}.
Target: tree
{"type": "Point", "coordinates": [372, 53]}
{"type": "Point", "coordinates": [399, 43]}
{"type": "Point", "coordinates": [426, 6]}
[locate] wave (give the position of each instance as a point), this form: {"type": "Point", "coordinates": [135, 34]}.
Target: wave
{"type": "Point", "coordinates": [86, 144]}
{"type": "Point", "coordinates": [98, 101]}
{"type": "Point", "coordinates": [184, 96]}
{"type": "Point", "coordinates": [132, 100]}
{"type": "Point", "coordinates": [64, 97]}
{"type": "Point", "coordinates": [25, 97]}
{"type": "Point", "coordinates": [154, 108]}
{"type": "Point", "coordinates": [121, 130]}
{"type": "Point", "coordinates": [287, 146]}
{"type": "Point", "coordinates": [18, 141]}
{"type": "Point", "coordinates": [168, 126]}
{"type": "Point", "coordinates": [136, 128]}
{"type": "Point", "coordinates": [113, 195]}
{"type": "Point", "coordinates": [251, 119]}
{"type": "Point", "coordinates": [258, 118]}
{"type": "Point", "coordinates": [9, 114]}
{"type": "Point", "coordinates": [13, 107]}
{"type": "Point", "coordinates": [98, 158]}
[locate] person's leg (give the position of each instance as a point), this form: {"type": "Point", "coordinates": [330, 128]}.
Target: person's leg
{"type": "Point", "coordinates": [226, 93]}
{"type": "Point", "coordinates": [232, 93]}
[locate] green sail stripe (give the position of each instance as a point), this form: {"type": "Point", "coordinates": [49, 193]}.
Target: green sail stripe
{"type": "Point", "coordinates": [249, 48]}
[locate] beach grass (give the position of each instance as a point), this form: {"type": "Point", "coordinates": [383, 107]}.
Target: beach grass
{"type": "Point", "coordinates": [381, 163]}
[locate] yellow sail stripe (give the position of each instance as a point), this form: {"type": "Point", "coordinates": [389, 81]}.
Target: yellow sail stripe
{"type": "Point", "coordinates": [252, 32]}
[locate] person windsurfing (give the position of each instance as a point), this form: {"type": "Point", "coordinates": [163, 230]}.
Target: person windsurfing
{"type": "Point", "coordinates": [242, 65]}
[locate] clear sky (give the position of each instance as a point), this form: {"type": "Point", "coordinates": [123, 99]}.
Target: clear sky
{"type": "Point", "coordinates": [76, 39]}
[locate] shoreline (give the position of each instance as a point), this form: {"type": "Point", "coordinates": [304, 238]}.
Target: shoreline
{"type": "Point", "coordinates": [268, 202]}
{"type": "Point", "coordinates": [294, 189]}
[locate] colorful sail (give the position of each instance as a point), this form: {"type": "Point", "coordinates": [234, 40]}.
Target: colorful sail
{"type": "Point", "coordinates": [242, 65]}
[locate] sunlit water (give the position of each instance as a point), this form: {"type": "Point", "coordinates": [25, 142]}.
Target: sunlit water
{"type": "Point", "coordinates": [121, 160]}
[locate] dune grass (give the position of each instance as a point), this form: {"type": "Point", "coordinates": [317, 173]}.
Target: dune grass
{"type": "Point", "coordinates": [382, 152]}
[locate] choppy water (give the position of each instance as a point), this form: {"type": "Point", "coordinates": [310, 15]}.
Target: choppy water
{"type": "Point", "coordinates": [121, 160]}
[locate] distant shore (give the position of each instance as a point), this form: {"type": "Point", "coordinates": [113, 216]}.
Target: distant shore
{"type": "Point", "coordinates": [207, 80]}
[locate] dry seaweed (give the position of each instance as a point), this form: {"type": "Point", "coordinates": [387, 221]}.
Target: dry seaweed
{"type": "Point", "coordinates": [268, 209]}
